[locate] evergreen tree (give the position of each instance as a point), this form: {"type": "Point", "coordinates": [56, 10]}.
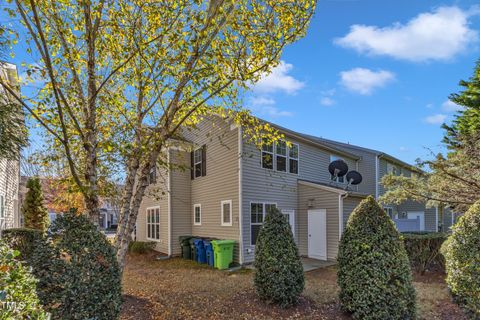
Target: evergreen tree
{"type": "Point", "coordinates": [373, 268]}
{"type": "Point", "coordinates": [279, 274]}
{"type": "Point", "coordinates": [34, 211]}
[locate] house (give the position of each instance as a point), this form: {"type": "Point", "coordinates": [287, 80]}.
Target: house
{"type": "Point", "coordinates": [9, 169]}
{"type": "Point", "coordinates": [221, 186]}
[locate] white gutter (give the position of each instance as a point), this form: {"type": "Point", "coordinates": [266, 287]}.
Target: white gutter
{"type": "Point", "coordinates": [169, 184]}
{"type": "Point", "coordinates": [240, 192]}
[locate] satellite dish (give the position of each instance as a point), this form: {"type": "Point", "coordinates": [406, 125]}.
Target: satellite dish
{"type": "Point", "coordinates": [354, 177]}
{"type": "Point", "coordinates": [338, 168]}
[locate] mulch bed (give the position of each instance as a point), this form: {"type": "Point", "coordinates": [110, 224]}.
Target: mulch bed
{"type": "Point", "coordinates": [179, 289]}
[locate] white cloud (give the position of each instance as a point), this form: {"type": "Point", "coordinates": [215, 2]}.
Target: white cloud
{"type": "Point", "coordinates": [403, 149]}
{"type": "Point", "coordinates": [450, 106]}
{"type": "Point", "coordinates": [265, 106]}
{"type": "Point", "coordinates": [279, 80]}
{"type": "Point", "coordinates": [436, 119]}
{"type": "Point", "coordinates": [327, 101]}
{"type": "Point", "coordinates": [437, 35]}
{"type": "Point", "coordinates": [364, 81]}
{"type": "Point", "coordinates": [429, 105]}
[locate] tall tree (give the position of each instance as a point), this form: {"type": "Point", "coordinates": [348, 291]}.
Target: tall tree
{"type": "Point", "coordinates": [34, 212]}
{"type": "Point", "coordinates": [452, 179]}
{"type": "Point", "coordinates": [123, 77]}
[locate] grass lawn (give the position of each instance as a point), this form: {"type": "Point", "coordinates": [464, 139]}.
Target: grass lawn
{"type": "Point", "coordinates": [180, 289]}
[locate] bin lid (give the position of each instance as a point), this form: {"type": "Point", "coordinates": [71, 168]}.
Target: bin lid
{"type": "Point", "coordinates": [198, 241]}
{"type": "Point", "coordinates": [223, 242]}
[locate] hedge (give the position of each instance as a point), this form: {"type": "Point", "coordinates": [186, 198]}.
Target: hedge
{"type": "Point", "coordinates": [140, 247]}
{"type": "Point", "coordinates": [423, 249]}
{"type": "Point", "coordinates": [374, 272]}
{"type": "Point", "coordinates": [462, 256]}
{"type": "Point", "coordinates": [22, 239]}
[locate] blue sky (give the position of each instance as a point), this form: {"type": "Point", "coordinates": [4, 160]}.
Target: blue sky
{"type": "Point", "coordinates": [375, 73]}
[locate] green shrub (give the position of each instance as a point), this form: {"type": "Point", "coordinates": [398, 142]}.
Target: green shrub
{"type": "Point", "coordinates": [34, 211]}
{"type": "Point", "coordinates": [423, 250]}
{"type": "Point", "coordinates": [140, 247]}
{"type": "Point", "coordinates": [462, 257]}
{"type": "Point", "coordinates": [78, 271]}
{"type": "Point", "coordinates": [22, 239]}
{"type": "Point", "coordinates": [279, 274]}
{"type": "Point", "coordinates": [18, 299]}
{"type": "Point", "coordinates": [374, 274]}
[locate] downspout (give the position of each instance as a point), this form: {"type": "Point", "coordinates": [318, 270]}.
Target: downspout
{"type": "Point", "coordinates": [169, 185]}
{"type": "Point", "coordinates": [341, 197]}
{"type": "Point", "coordinates": [240, 192]}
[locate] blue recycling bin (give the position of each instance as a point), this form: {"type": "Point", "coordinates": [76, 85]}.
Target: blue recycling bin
{"type": "Point", "coordinates": [200, 251]}
{"type": "Point", "coordinates": [209, 253]}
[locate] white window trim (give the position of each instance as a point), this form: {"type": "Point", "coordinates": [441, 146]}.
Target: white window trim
{"type": "Point", "coordinates": [195, 163]}
{"type": "Point", "coordinates": [194, 207]}
{"type": "Point", "coordinates": [385, 208]}
{"type": "Point", "coordinates": [159, 224]}
{"type": "Point", "coordinates": [264, 214]}
{"type": "Point", "coordinates": [292, 213]}
{"type": "Point", "coordinates": [223, 224]}
{"type": "Point", "coordinates": [287, 157]}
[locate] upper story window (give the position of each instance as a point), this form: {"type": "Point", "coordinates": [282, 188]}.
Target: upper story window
{"type": "Point", "coordinates": [336, 179]}
{"type": "Point", "coordinates": [392, 169]}
{"type": "Point", "coordinates": [198, 159]}
{"type": "Point", "coordinates": [152, 176]}
{"type": "Point", "coordinates": [278, 156]}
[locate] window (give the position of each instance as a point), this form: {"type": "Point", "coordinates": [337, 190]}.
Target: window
{"type": "Point", "coordinates": [333, 178]}
{"type": "Point", "coordinates": [199, 162]}
{"type": "Point", "coordinates": [257, 215]}
{"type": "Point", "coordinates": [293, 158]}
{"type": "Point", "coordinates": [2, 212]}
{"type": "Point", "coordinates": [226, 207]}
{"type": "Point", "coordinates": [267, 155]}
{"type": "Point", "coordinates": [278, 156]}
{"type": "Point", "coordinates": [281, 156]}
{"type": "Point", "coordinates": [392, 169]}
{"type": "Point", "coordinates": [389, 212]}
{"type": "Point", "coordinates": [152, 177]}
{"type": "Point", "coordinates": [290, 216]}
{"type": "Point", "coordinates": [197, 214]}
{"type": "Point", "coordinates": [153, 223]}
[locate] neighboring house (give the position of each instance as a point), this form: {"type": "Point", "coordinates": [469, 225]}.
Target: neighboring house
{"type": "Point", "coordinates": [222, 187]}
{"type": "Point", "coordinates": [108, 212]}
{"type": "Point", "coordinates": [9, 169]}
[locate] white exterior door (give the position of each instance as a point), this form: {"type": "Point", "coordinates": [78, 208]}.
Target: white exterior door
{"type": "Point", "coordinates": [290, 214]}
{"type": "Point", "coordinates": [415, 215]}
{"type": "Point", "coordinates": [317, 234]}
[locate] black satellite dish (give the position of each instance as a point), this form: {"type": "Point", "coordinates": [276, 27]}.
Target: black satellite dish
{"type": "Point", "coordinates": [338, 168]}
{"type": "Point", "coordinates": [354, 177]}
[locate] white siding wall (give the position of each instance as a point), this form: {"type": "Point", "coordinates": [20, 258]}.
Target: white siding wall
{"type": "Point", "coordinates": [9, 179]}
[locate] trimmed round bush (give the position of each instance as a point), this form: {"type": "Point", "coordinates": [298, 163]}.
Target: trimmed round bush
{"type": "Point", "coordinates": [78, 271]}
{"type": "Point", "coordinates": [279, 274]}
{"type": "Point", "coordinates": [18, 299]}
{"type": "Point", "coordinates": [374, 272]}
{"type": "Point", "coordinates": [22, 239]}
{"type": "Point", "coordinates": [140, 247]}
{"type": "Point", "coordinates": [462, 261]}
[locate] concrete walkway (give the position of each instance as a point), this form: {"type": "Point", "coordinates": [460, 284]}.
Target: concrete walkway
{"type": "Point", "coordinates": [313, 264]}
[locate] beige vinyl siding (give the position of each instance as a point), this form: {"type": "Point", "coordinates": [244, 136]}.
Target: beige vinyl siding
{"type": "Point", "coordinates": [322, 200]}
{"type": "Point", "coordinates": [220, 182]}
{"type": "Point", "coordinates": [180, 201]}
{"type": "Point", "coordinates": [9, 179]}
{"type": "Point", "coordinates": [265, 185]}
{"type": "Point", "coordinates": [156, 195]}
{"type": "Point", "coordinates": [349, 204]}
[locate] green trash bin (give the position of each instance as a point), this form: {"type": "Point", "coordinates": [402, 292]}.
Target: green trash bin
{"type": "Point", "coordinates": [185, 245]}
{"type": "Point", "coordinates": [223, 252]}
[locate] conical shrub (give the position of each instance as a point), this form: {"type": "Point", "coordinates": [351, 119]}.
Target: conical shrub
{"type": "Point", "coordinates": [279, 274]}
{"type": "Point", "coordinates": [34, 212]}
{"type": "Point", "coordinates": [373, 269]}
{"type": "Point", "coordinates": [462, 257]}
